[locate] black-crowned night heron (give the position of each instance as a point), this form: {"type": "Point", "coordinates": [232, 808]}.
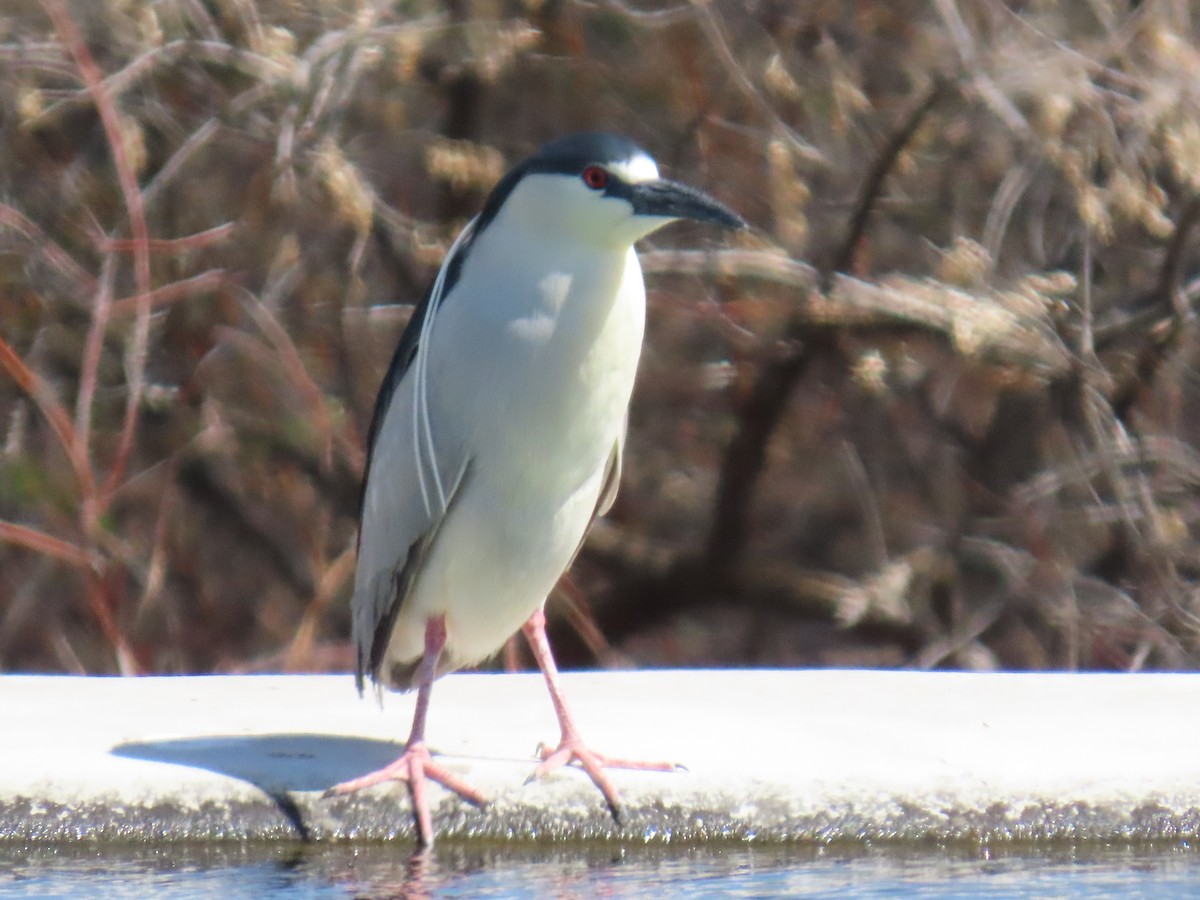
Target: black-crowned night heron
{"type": "Point", "coordinates": [497, 433]}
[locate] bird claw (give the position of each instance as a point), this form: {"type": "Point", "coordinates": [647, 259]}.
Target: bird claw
{"type": "Point", "coordinates": [414, 767]}
{"type": "Point", "coordinates": [572, 750]}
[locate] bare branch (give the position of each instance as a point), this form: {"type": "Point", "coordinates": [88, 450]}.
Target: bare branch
{"type": "Point", "coordinates": [52, 411]}
{"type": "Point", "coordinates": [55, 255]}
{"type": "Point", "coordinates": [101, 308]}
{"type": "Point", "coordinates": [173, 292]}
{"type": "Point", "coordinates": [711, 27]}
{"type": "Point", "coordinates": [93, 78]}
{"type": "Point", "coordinates": [47, 545]}
{"type": "Point", "coordinates": [207, 238]}
{"type": "Point", "coordinates": [979, 323]}
{"type": "Point", "coordinates": [872, 185]}
{"type": "Point", "coordinates": [991, 94]}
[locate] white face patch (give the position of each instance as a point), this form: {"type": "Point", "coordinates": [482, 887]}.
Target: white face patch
{"type": "Point", "coordinates": [636, 169]}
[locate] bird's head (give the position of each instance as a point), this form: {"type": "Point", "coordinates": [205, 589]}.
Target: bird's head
{"type": "Point", "coordinates": [601, 188]}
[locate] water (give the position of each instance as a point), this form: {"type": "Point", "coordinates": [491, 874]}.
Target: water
{"type": "Point", "coordinates": [267, 872]}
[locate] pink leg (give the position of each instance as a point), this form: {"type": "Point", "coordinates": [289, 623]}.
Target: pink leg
{"type": "Point", "coordinates": [571, 747]}
{"type": "Point", "coordinates": [416, 764]}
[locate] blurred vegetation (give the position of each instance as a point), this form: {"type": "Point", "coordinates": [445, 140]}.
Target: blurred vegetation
{"type": "Point", "coordinates": [938, 410]}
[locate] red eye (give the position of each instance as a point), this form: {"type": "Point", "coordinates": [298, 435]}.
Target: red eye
{"type": "Point", "coordinates": [595, 177]}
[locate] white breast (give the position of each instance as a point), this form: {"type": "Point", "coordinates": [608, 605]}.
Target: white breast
{"type": "Point", "coordinates": [534, 388]}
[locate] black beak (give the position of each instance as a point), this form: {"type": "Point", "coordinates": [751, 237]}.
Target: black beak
{"type": "Point", "coordinates": [672, 200]}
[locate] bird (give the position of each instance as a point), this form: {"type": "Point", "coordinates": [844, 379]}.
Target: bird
{"type": "Point", "coordinates": [498, 432]}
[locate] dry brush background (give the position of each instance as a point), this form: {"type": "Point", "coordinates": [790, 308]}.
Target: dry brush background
{"type": "Point", "coordinates": [940, 408]}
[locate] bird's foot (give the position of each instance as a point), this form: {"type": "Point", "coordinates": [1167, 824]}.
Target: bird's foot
{"type": "Point", "coordinates": [414, 766]}
{"type": "Point", "coordinates": [571, 749]}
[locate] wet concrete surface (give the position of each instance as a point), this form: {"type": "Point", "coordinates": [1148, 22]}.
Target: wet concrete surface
{"type": "Point", "coordinates": [812, 756]}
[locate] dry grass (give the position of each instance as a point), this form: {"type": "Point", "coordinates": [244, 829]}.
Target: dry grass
{"type": "Point", "coordinates": [938, 410]}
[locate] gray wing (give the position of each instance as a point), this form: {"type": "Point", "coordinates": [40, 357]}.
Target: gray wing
{"type": "Point", "coordinates": [608, 488]}
{"type": "Point", "coordinates": [399, 524]}
{"type": "Point", "coordinates": [612, 476]}
{"type": "Point", "coordinates": [399, 509]}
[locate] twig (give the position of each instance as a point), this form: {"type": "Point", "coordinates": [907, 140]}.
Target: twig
{"type": "Point", "coordinates": [328, 585]}
{"type": "Point", "coordinates": [583, 621]}
{"type": "Point", "coordinates": [1169, 277]}
{"type": "Point", "coordinates": [868, 505]}
{"type": "Point", "coordinates": [991, 94]}
{"type": "Point", "coordinates": [176, 290]}
{"type": "Point", "coordinates": [248, 63]}
{"type": "Point", "coordinates": [980, 620]}
{"type": "Point", "coordinates": [157, 567]}
{"type": "Point", "coordinates": [43, 244]}
{"type": "Point", "coordinates": [103, 601]}
{"type": "Point", "coordinates": [1159, 340]}
{"type": "Point", "coordinates": [282, 342]}
{"type": "Point", "coordinates": [101, 592]}
{"type": "Point", "coordinates": [655, 18]}
{"type": "Point", "coordinates": [171, 167]}
{"type": "Point", "coordinates": [872, 185]}
{"type": "Point", "coordinates": [711, 28]}
{"type": "Point", "coordinates": [52, 411]}
{"type": "Point", "coordinates": [1026, 341]}
{"type": "Point", "coordinates": [47, 545]}
{"type": "Point", "coordinates": [745, 457]}
{"type": "Point", "coordinates": [101, 309]}
{"type": "Point", "coordinates": [334, 89]}
{"type": "Point", "coordinates": [135, 373]}
{"type": "Point", "coordinates": [206, 238]}
{"type": "Point", "coordinates": [1087, 343]}
{"type": "Point", "coordinates": [1013, 186]}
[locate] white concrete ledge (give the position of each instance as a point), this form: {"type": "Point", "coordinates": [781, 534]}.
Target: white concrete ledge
{"type": "Point", "coordinates": [771, 755]}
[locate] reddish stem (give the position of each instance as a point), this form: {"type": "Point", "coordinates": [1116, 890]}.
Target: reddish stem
{"type": "Point", "coordinates": [93, 78]}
